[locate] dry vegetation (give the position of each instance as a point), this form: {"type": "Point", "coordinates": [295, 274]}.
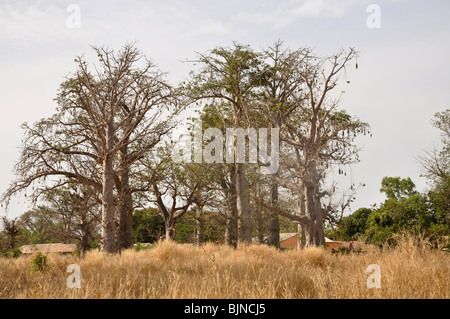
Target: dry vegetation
{"type": "Point", "coordinates": [411, 270]}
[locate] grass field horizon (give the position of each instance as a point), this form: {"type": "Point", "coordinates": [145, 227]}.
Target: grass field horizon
{"type": "Point", "coordinates": [174, 271]}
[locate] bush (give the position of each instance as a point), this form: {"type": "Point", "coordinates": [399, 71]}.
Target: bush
{"type": "Point", "coordinates": [148, 225]}
{"type": "Point", "coordinates": [343, 250]}
{"type": "Point", "coordinates": [94, 245]}
{"type": "Point", "coordinates": [14, 253]}
{"type": "Point", "coordinates": [40, 262]}
{"type": "Point", "coordinates": [10, 253]}
{"type": "Point", "coordinates": [139, 247]}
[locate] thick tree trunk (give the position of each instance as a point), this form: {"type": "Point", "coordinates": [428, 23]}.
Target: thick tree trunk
{"type": "Point", "coordinates": [231, 237]}
{"type": "Point", "coordinates": [126, 222]}
{"type": "Point", "coordinates": [231, 231]}
{"type": "Point", "coordinates": [259, 217]}
{"type": "Point", "coordinates": [301, 211]}
{"type": "Point", "coordinates": [200, 238]}
{"type": "Point", "coordinates": [168, 216]}
{"type": "Point", "coordinates": [108, 210]}
{"type": "Point", "coordinates": [125, 238]}
{"type": "Point", "coordinates": [243, 206]}
{"type": "Point", "coordinates": [314, 227]}
{"type": "Point", "coordinates": [170, 229]}
{"type": "Point", "coordinates": [109, 243]}
{"type": "Point", "coordinates": [274, 223]}
{"type": "Point", "coordinates": [260, 225]}
{"type": "Point", "coordinates": [85, 237]}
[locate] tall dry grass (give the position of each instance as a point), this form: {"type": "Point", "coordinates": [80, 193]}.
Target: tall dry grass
{"type": "Point", "coordinates": [411, 270]}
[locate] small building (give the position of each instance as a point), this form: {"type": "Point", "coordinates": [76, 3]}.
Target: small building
{"type": "Point", "coordinates": [48, 248]}
{"type": "Point", "coordinates": [290, 241]}
{"type": "Point", "coordinates": [331, 245]}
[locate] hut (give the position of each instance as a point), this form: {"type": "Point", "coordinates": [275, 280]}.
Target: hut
{"type": "Point", "coordinates": [290, 241]}
{"type": "Point", "coordinates": [48, 248]}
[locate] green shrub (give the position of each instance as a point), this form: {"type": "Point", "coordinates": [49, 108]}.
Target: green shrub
{"type": "Point", "coordinates": [10, 253]}
{"type": "Point", "coordinates": [14, 253]}
{"type": "Point", "coordinates": [139, 247]}
{"type": "Point", "coordinates": [40, 262]}
{"type": "Point", "coordinates": [343, 250]}
{"type": "Point", "coordinates": [94, 244]}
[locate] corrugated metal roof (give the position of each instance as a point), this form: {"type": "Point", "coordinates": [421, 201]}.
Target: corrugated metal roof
{"type": "Point", "coordinates": [285, 236]}
{"type": "Point", "coordinates": [48, 248]}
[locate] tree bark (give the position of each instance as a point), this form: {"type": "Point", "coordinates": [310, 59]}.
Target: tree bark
{"type": "Point", "coordinates": [125, 221]}
{"type": "Point", "coordinates": [274, 223]}
{"type": "Point", "coordinates": [170, 229]}
{"type": "Point", "coordinates": [301, 211]}
{"type": "Point", "coordinates": [231, 237]}
{"type": "Point", "coordinates": [243, 206]}
{"type": "Point", "coordinates": [109, 243]}
{"type": "Point", "coordinates": [125, 238]}
{"type": "Point", "coordinates": [200, 238]}
{"type": "Point", "coordinates": [260, 225]}
{"type": "Point", "coordinates": [314, 227]}
{"type": "Point", "coordinates": [258, 216]}
{"type": "Point", "coordinates": [231, 233]}
{"type": "Point", "coordinates": [86, 235]}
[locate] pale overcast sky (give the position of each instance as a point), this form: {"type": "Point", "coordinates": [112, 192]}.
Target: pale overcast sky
{"type": "Point", "coordinates": [402, 80]}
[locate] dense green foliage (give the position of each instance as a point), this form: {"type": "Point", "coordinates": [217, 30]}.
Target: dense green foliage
{"type": "Point", "coordinates": [148, 225]}
{"type": "Point", "coordinates": [40, 262]}
{"type": "Point", "coordinates": [404, 210]}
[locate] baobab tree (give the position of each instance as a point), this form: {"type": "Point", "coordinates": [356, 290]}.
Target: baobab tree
{"type": "Point", "coordinates": [76, 214]}
{"type": "Point", "coordinates": [227, 77]}
{"type": "Point", "coordinates": [108, 117]}
{"type": "Point", "coordinates": [173, 187]}
{"type": "Point", "coordinates": [318, 137]}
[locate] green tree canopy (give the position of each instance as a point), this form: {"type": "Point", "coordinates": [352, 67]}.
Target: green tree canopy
{"type": "Point", "coordinates": [148, 225]}
{"type": "Point", "coordinates": [396, 187]}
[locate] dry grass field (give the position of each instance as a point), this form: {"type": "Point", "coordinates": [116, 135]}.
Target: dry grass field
{"type": "Point", "coordinates": [411, 270]}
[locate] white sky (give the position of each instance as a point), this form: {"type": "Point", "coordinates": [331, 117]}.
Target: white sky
{"type": "Point", "coordinates": [402, 80]}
